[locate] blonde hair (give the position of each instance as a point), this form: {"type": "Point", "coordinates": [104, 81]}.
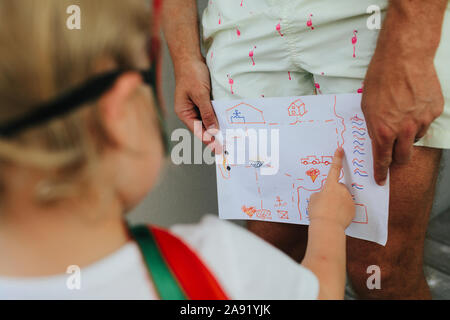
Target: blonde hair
{"type": "Point", "coordinates": [40, 58]}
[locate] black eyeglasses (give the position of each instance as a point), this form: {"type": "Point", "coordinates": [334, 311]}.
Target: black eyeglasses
{"type": "Point", "coordinates": [76, 98]}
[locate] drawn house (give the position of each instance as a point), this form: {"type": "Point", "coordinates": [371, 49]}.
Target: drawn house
{"type": "Point", "coordinates": [244, 113]}
{"type": "Point", "coordinates": [297, 109]}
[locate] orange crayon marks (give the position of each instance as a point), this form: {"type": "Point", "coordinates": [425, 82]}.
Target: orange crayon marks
{"type": "Point", "coordinates": [344, 127]}
{"type": "Point", "coordinates": [283, 214]}
{"type": "Point", "coordinates": [250, 211]}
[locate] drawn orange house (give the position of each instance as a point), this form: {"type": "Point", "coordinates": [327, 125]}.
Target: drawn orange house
{"type": "Point", "coordinates": [244, 113]}
{"type": "Point", "coordinates": [297, 108]}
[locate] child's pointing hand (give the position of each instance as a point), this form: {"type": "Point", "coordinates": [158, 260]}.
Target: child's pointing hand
{"type": "Point", "coordinates": [334, 203]}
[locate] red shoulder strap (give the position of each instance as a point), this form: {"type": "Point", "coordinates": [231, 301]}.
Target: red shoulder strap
{"type": "Point", "coordinates": [194, 277]}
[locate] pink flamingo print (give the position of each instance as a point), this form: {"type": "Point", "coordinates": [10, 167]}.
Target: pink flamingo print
{"type": "Point", "coordinates": [360, 90]}
{"type": "Point", "coordinates": [220, 18]}
{"type": "Point", "coordinates": [230, 82]}
{"type": "Point", "coordinates": [317, 85]}
{"type": "Point", "coordinates": [309, 23]}
{"type": "Point", "coordinates": [238, 32]}
{"type": "Point", "coordinates": [354, 41]}
{"type": "Point", "coordinates": [289, 73]}
{"type": "Point", "coordinates": [242, 2]}
{"type": "Point", "coordinates": [251, 54]}
{"type": "Point", "coordinates": [278, 28]}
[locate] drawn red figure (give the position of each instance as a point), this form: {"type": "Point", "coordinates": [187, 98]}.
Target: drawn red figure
{"type": "Point", "coordinates": [278, 27]}
{"type": "Point", "coordinates": [242, 3]}
{"type": "Point", "coordinates": [309, 23]}
{"type": "Point", "coordinates": [354, 41]}
{"type": "Point", "coordinates": [230, 82]}
{"type": "Point", "coordinates": [251, 54]}
{"type": "Point", "coordinates": [279, 202]}
{"type": "Point", "coordinates": [238, 32]}
{"type": "Point", "coordinates": [220, 18]}
{"type": "Point", "coordinates": [289, 73]}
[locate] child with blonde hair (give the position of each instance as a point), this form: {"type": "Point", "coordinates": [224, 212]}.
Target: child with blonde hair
{"type": "Point", "coordinates": [81, 144]}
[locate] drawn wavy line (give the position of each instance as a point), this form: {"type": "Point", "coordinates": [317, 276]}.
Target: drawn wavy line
{"type": "Point", "coordinates": [356, 118]}
{"type": "Point", "coordinates": [357, 164]}
{"type": "Point", "coordinates": [360, 143]}
{"type": "Point", "coordinates": [359, 148]}
{"type": "Point", "coordinates": [361, 134]}
{"type": "Point", "coordinates": [357, 128]}
{"type": "Point", "coordinates": [362, 175]}
{"type": "Point", "coordinates": [359, 138]}
{"type": "Point", "coordinates": [357, 186]}
{"type": "Point", "coordinates": [343, 123]}
{"type": "Point", "coordinates": [360, 172]}
{"type": "Point", "coordinates": [358, 123]}
{"type": "Point", "coordinates": [357, 160]}
{"type": "Point", "coordinates": [357, 151]}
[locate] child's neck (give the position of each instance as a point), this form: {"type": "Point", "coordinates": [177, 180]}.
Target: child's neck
{"type": "Point", "coordinates": [37, 241]}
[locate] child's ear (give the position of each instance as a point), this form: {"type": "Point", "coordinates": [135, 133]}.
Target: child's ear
{"type": "Point", "coordinates": [114, 108]}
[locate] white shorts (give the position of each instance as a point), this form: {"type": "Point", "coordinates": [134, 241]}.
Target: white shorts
{"type": "Point", "coordinates": [272, 48]}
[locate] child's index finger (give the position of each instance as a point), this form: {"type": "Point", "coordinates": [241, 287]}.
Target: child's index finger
{"type": "Point", "coordinates": [336, 166]}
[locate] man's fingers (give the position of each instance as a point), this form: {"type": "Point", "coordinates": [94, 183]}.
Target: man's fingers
{"type": "Point", "coordinates": [382, 159]}
{"type": "Point", "coordinates": [203, 103]}
{"type": "Point", "coordinates": [336, 166]}
{"type": "Point", "coordinates": [403, 147]}
{"type": "Point", "coordinates": [422, 132]}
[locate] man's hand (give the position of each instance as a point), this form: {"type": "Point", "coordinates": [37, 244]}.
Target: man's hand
{"type": "Point", "coordinates": [402, 94]}
{"type": "Point", "coordinates": [193, 88]}
{"type": "Point", "coordinates": [193, 97]}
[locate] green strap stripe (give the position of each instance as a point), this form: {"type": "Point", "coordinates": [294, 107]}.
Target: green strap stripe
{"type": "Point", "coordinates": [163, 279]}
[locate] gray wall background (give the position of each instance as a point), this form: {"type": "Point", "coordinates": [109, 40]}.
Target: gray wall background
{"type": "Point", "coordinates": [187, 192]}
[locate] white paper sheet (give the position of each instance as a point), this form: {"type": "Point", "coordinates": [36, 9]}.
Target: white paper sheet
{"type": "Point", "coordinates": [296, 138]}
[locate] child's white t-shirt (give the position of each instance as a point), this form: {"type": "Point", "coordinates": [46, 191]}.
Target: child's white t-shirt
{"type": "Point", "coordinates": [246, 266]}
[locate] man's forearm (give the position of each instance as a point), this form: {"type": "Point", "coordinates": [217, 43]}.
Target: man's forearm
{"type": "Point", "coordinates": [180, 25]}
{"type": "Point", "coordinates": [415, 26]}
